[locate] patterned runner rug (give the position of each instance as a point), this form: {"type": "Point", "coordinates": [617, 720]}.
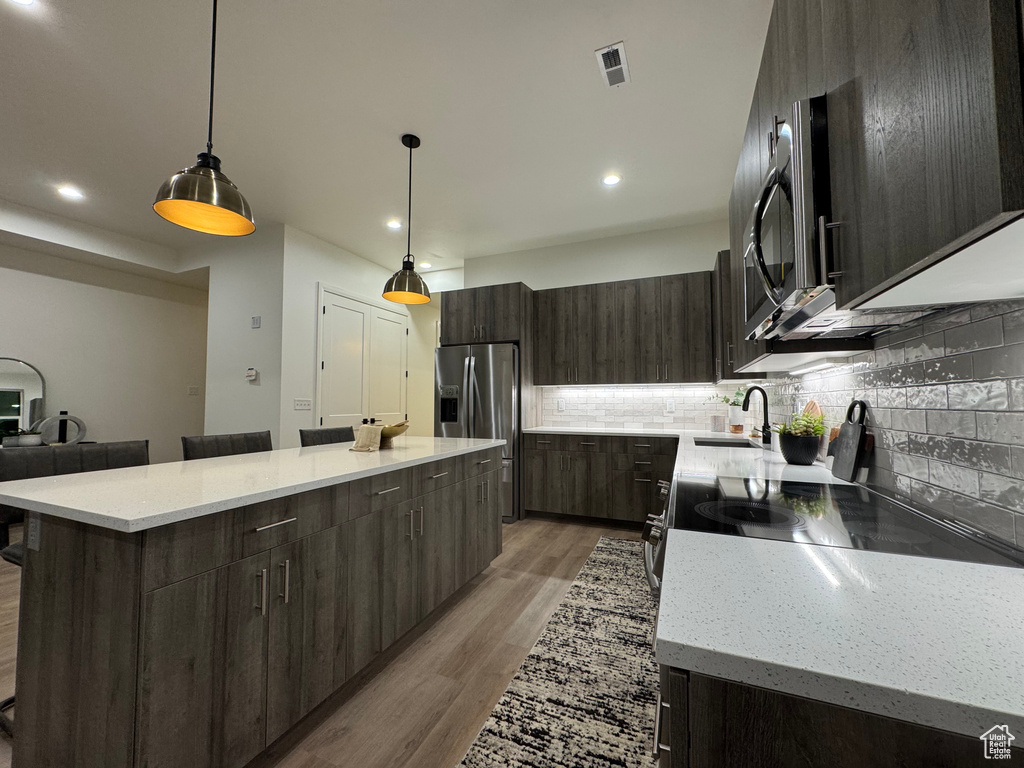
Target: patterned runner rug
{"type": "Point", "coordinates": [585, 696]}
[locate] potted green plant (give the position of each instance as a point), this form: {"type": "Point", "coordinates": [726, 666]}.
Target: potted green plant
{"type": "Point", "coordinates": [29, 437]}
{"type": "Point", "coordinates": [735, 403]}
{"type": "Point", "coordinates": [800, 438]}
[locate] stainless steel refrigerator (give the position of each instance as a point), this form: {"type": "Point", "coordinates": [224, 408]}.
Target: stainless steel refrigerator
{"type": "Point", "coordinates": [476, 394]}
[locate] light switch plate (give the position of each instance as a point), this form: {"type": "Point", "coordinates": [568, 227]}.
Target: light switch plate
{"type": "Point", "coordinates": [561, 404]}
{"type": "Point", "coordinates": [256, 320]}
{"type": "Point", "coordinates": [302, 404]}
{"type": "Point", "coordinates": [670, 406]}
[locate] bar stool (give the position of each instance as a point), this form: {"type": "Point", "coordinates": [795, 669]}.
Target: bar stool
{"type": "Point", "coordinates": [208, 446]}
{"type": "Point", "coordinates": [326, 436]}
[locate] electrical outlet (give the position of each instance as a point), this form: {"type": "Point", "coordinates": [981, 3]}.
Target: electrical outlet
{"type": "Point", "coordinates": [193, 390]}
{"type": "Point", "coordinates": [670, 406]}
{"type": "Point", "coordinates": [302, 404]}
{"type": "Point", "coordinates": [561, 404]}
{"type": "Point", "coordinates": [256, 320]}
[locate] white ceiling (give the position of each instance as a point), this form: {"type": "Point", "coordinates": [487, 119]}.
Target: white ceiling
{"type": "Point", "coordinates": [312, 97]}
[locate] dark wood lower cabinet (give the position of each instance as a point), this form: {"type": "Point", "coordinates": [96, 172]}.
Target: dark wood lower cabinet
{"type": "Point", "coordinates": [210, 669]}
{"type": "Point", "coordinates": [202, 693]}
{"type": "Point", "coordinates": [721, 724]}
{"type": "Point", "coordinates": [305, 598]}
{"type": "Point", "coordinates": [614, 478]}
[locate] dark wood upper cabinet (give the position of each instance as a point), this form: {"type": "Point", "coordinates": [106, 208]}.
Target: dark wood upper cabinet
{"type": "Point", "coordinates": [925, 129]}
{"type": "Point", "coordinates": [485, 315]}
{"type": "Point", "coordinates": [727, 316]}
{"type": "Point", "coordinates": [647, 331]}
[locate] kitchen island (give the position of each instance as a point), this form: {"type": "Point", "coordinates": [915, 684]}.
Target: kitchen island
{"type": "Point", "coordinates": [189, 614]}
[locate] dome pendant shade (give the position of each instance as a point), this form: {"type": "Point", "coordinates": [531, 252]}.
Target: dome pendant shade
{"type": "Point", "coordinates": [203, 199]}
{"type": "Point", "coordinates": [406, 286]}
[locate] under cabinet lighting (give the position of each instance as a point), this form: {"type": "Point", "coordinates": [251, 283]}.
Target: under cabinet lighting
{"type": "Point", "coordinates": [811, 369]}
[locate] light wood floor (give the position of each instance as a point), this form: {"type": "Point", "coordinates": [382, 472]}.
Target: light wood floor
{"type": "Point", "coordinates": [422, 703]}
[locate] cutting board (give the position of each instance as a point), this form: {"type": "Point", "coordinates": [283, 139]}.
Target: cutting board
{"type": "Point", "coordinates": [849, 446]}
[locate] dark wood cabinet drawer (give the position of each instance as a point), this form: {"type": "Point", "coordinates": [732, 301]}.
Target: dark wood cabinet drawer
{"type": "Point", "coordinates": [480, 462]}
{"type": "Point", "coordinates": [665, 446]}
{"type": "Point", "coordinates": [175, 552]}
{"type": "Point", "coordinates": [272, 523]}
{"type": "Point", "coordinates": [372, 494]}
{"type": "Point", "coordinates": [539, 442]}
{"type": "Point", "coordinates": [436, 474]}
{"type": "Point", "coordinates": [658, 463]}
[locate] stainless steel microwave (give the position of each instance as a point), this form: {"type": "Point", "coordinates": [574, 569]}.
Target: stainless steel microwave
{"type": "Point", "coordinates": [787, 259]}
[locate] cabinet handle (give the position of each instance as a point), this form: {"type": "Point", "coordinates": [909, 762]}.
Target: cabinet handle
{"type": "Point", "coordinates": [287, 565]}
{"type": "Point", "coordinates": [640, 480]}
{"type": "Point", "coordinates": [474, 333]}
{"type": "Point", "coordinates": [274, 525]}
{"type": "Point", "coordinates": [434, 477]}
{"type": "Point", "coordinates": [728, 355]}
{"type": "Point", "coordinates": [588, 443]}
{"type": "Point", "coordinates": [389, 490]}
{"type": "Point", "coordinates": [485, 461]}
{"type": "Point", "coordinates": [421, 521]}
{"type": "Point", "coordinates": [543, 442]}
{"type": "Point", "coordinates": [412, 531]}
{"type": "Point", "coordinates": [821, 232]}
{"type": "Point", "coordinates": [480, 493]}
{"type": "Point", "coordinates": [483, 333]}
{"type": "Point", "coordinates": [261, 606]}
{"type": "Point", "coordinates": [568, 374]}
{"type": "Point", "coordinates": [771, 145]}
{"type": "Point", "coordinates": [577, 375]}
{"type": "Point", "coordinates": [641, 462]}
{"type": "Point", "coordinates": [666, 371]}
{"type": "Point", "coordinates": [487, 490]}
{"type": "Point", "coordinates": [641, 445]}
{"type": "Point", "coordinates": [658, 746]}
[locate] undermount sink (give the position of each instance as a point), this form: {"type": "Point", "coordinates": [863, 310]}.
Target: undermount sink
{"type": "Point", "coordinates": [725, 442]}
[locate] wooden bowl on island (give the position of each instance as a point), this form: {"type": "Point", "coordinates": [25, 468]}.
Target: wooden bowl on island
{"type": "Point", "coordinates": [391, 431]}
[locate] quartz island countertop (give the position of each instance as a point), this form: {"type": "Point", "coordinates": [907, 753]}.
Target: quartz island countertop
{"type": "Point", "coordinates": [137, 498]}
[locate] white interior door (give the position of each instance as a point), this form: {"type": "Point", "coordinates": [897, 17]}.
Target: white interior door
{"type": "Point", "coordinates": [388, 379]}
{"type": "Point", "coordinates": [363, 354]}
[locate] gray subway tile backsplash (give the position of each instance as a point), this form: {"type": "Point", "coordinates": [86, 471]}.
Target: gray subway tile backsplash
{"type": "Point", "coordinates": [947, 412]}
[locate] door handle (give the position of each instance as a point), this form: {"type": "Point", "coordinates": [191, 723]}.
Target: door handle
{"type": "Point", "coordinates": [823, 227]}
{"type": "Point", "coordinates": [286, 593]}
{"type": "Point", "coordinates": [412, 531]}
{"type": "Point", "coordinates": [666, 371]}
{"type": "Point", "coordinates": [657, 373]}
{"type": "Point", "coordinates": [261, 606]}
{"type": "Point", "coordinates": [577, 375]}
{"type": "Point", "coordinates": [658, 746]}
{"type": "Point", "coordinates": [421, 521]}
{"type": "Point", "coordinates": [728, 351]}
{"type": "Point", "coordinates": [487, 490]}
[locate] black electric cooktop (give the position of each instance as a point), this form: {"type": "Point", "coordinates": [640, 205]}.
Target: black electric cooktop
{"type": "Point", "coordinates": [847, 516]}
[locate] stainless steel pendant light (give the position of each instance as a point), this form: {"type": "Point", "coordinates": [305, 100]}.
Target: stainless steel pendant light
{"type": "Point", "coordinates": [201, 197]}
{"type": "Point", "coordinates": [405, 286]}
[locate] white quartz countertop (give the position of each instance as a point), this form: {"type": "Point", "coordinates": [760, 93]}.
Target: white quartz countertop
{"type": "Point", "coordinates": [935, 642]}
{"type": "Point", "coordinates": [137, 498]}
{"type": "Point", "coordinates": [692, 459]}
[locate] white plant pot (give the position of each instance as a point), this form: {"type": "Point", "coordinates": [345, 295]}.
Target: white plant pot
{"type": "Point", "coordinates": [735, 415]}
{"type": "Point", "coordinates": [25, 441]}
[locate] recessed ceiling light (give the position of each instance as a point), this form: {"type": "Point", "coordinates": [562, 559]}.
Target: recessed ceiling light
{"type": "Point", "coordinates": [611, 179]}
{"type": "Point", "coordinates": [394, 224]}
{"type": "Point", "coordinates": [70, 192]}
{"type": "Point", "coordinates": [424, 265]}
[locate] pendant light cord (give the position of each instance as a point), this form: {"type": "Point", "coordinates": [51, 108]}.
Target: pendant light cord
{"type": "Point", "coordinates": [408, 226]}
{"type": "Point", "coordinates": [213, 68]}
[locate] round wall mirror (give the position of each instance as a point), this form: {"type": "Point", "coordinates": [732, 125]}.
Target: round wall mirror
{"type": "Point", "coordinates": [22, 396]}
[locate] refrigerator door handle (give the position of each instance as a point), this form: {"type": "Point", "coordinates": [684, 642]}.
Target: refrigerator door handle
{"type": "Point", "coordinates": [471, 398]}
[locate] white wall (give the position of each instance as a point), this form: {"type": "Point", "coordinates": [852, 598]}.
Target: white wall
{"type": "Point", "coordinates": [646, 254]}
{"type": "Point", "coordinates": [120, 351]}
{"type": "Point", "coordinates": [307, 261]}
{"type": "Point", "coordinates": [245, 280]}
{"type": "Point", "coordinates": [444, 279]}
{"type": "Point", "coordinates": [424, 320]}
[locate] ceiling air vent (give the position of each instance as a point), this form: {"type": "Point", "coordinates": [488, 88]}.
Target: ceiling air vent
{"type": "Point", "coordinates": [612, 59]}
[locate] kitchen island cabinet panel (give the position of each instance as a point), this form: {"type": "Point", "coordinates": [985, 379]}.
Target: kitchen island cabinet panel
{"type": "Point", "coordinates": [304, 595]}
{"type": "Point", "coordinates": [203, 670]}
{"type": "Point", "coordinates": [400, 577]}
{"type": "Point", "coordinates": [364, 556]}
